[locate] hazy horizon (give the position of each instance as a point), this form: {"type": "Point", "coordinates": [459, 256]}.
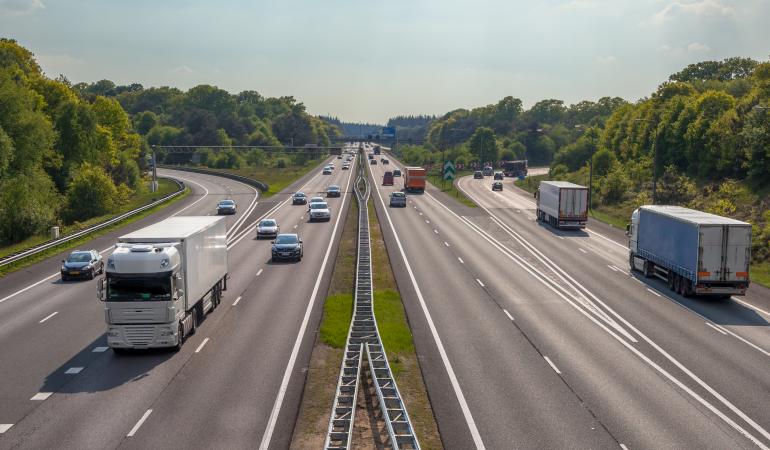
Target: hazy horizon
{"type": "Point", "coordinates": [369, 62]}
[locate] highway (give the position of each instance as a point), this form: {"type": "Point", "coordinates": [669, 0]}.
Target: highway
{"type": "Point", "coordinates": [534, 338]}
{"type": "Point", "coordinates": [236, 383]}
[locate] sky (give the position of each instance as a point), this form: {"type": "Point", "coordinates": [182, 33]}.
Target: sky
{"type": "Point", "coordinates": [366, 61]}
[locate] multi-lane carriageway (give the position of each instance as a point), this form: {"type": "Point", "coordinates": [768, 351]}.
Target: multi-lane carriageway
{"type": "Point", "coordinates": [236, 383]}
{"type": "Point", "coordinates": [534, 338]}
{"type": "Point", "coordinates": [528, 338]}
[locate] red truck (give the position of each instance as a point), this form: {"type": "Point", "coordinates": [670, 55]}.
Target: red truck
{"type": "Point", "coordinates": [414, 179]}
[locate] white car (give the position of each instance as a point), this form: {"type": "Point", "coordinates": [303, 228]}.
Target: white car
{"type": "Point", "coordinates": [320, 211]}
{"type": "Point", "coordinates": [268, 228]}
{"type": "Point", "coordinates": [315, 200]}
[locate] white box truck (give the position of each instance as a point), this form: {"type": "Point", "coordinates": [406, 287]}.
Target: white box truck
{"type": "Point", "coordinates": [695, 252]}
{"type": "Point", "coordinates": [562, 204]}
{"type": "Point", "coordinates": [161, 280]}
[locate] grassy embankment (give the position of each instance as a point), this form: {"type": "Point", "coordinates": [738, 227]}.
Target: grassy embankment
{"type": "Point", "coordinates": [619, 215]}
{"type": "Point", "coordinates": [276, 178]}
{"type": "Point", "coordinates": [165, 187]}
{"type": "Point", "coordinates": [327, 354]}
{"type": "Point", "coordinates": [434, 178]}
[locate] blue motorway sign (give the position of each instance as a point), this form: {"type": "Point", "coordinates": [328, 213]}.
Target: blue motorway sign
{"type": "Point", "coordinates": [388, 132]}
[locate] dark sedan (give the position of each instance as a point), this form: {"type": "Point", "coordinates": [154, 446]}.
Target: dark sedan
{"type": "Point", "coordinates": [226, 207]}
{"type": "Point", "coordinates": [497, 186]}
{"type": "Point", "coordinates": [333, 191]}
{"type": "Point", "coordinates": [299, 198]}
{"type": "Point", "coordinates": [82, 264]}
{"type": "Point", "coordinates": [287, 246]}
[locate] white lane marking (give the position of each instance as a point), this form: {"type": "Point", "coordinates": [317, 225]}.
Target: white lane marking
{"type": "Point", "coordinates": [461, 260]}
{"type": "Point", "coordinates": [295, 226]}
{"type": "Point", "coordinates": [446, 243]}
{"type": "Point", "coordinates": [99, 349]}
{"type": "Point", "coordinates": [40, 396]}
{"type": "Point", "coordinates": [139, 423]}
{"type": "Point", "coordinates": [437, 339]}
{"type": "Point", "coordinates": [744, 303]}
{"type": "Point", "coordinates": [205, 194]}
{"type": "Point", "coordinates": [553, 366]}
{"type": "Point", "coordinates": [582, 251]}
{"type": "Point", "coordinates": [259, 272]}
{"type": "Point", "coordinates": [28, 287]}
{"type": "Point", "coordinates": [712, 326]}
{"type": "Point", "coordinates": [653, 292]}
{"type": "Point", "coordinates": [638, 281]}
{"type": "Point", "coordinates": [203, 344]}
{"type": "Point", "coordinates": [606, 239]}
{"type": "Point", "coordinates": [480, 283]}
{"type": "Point", "coordinates": [420, 213]}
{"type": "Point", "coordinates": [612, 268]}
{"type": "Point", "coordinates": [508, 314]}
{"type": "Point", "coordinates": [435, 231]}
{"type": "Point", "coordinates": [621, 270]}
{"type": "Point", "coordinates": [5, 427]}
{"type": "Point", "coordinates": [236, 301]}
{"type": "Point", "coordinates": [623, 446]}
{"type": "Point", "coordinates": [268, 434]}
{"type": "Point", "coordinates": [560, 237]}
{"type": "Point", "coordinates": [49, 316]}
{"type": "Point", "coordinates": [73, 371]}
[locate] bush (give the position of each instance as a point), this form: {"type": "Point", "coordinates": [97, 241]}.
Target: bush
{"type": "Point", "coordinates": [614, 185]}
{"type": "Point", "coordinates": [29, 204]}
{"type": "Point", "coordinates": [91, 193]}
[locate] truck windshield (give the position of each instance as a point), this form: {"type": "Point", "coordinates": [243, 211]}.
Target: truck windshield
{"type": "Point", "coordinates": [138, 289]}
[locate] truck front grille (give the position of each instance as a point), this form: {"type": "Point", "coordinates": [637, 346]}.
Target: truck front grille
{"type": "Point", "coordinates": [140, 335]}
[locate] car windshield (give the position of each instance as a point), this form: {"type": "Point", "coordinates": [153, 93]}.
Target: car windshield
{"type": "Point", "coordinates": [299, 194]}
{"type": "Point", "coordinates": [267, 223]}
{"type": "Point", "coordinates": [286, 239]}
{"type": "Point", "coordinates": [79, 257]}
{"type": "Point", "coordinates": [399, 194]}
{"type": "Point", "coordinates": [141, 289]}
{"type": "Point", "coordinates": [226, 203]}
{"type": "Point", "coordinates": [318, 205]}
{"type": "Point", "coordinates": [334, 188]}
{"type": "Point", "coordinates": [316, 199]}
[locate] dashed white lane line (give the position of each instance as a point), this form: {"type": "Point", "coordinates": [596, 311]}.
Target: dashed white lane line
{"type": "Point", "coordinates": [638, 281]}
{"type": "Point", "coordinates": [553, 366]}
{"type": "Point", "coordinates": [714, 327]}
{"type": "Point", "coordinates": [751, 306]}
{"type": "Point", "coordinates": [49, 316]}
{"type": "Point", "coordinates": [99, 349]}
{"type": "Point", "coordinates": [420, 213]}
{"type": "Point", "coordinates": [435, 231]}
{"type": "Point", "coordinates": [461, 260]}
{"type": "Point", "coordinates": [236, 301]}
{"type": "Point", "coordinates": [40, 396]}
{"type": "Point", "coordinates": [427, 221]}
{"type": "Point", "coordinates": [508, 314]}
{"type": "Point", "coordinates": [446, 243]}
{"type": "Point", "coordinates": [139, 423]}
{"type": "Point", "coordinates": [582, 250]}
{"type": "Point", "coordinates": [560, 237]}
{"type": "Point", "coordinates": [200, 347]}
{"type": "Point", "coordinates": [653, 292]}
{"type": "Point", "coordinates": [623, 446]}
{"type": "Point", "coordinates": [259, 272]}
{"type": "Point", "coordinates": [73, 370]}
{"type": "Point", "coordinates": [295, 227]}
{"type": "Point", "coordinates": [5, 427]}
{"type": "Point", "coordinates": [480, 283]}
{"type": "Point", "coordinates": [612, 268]}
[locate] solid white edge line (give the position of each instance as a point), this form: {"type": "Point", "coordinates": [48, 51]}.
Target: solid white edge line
{"type": "Point", "coordinates": [268, 434]}
{"type": "Point", "coordinates": [5, 427]}
{"type": "Point", "coordinates": [439, 344]}
{"type": "Point", "coordinates": [205, 194]}
{"type": "Point", "coordinates": [742, 302]}
{"type": "Point", "coordinates": [139, 423]}
{"type": "Point", "coordinates": [612, 268]}
{"type": "Point", "coordinates": [508, 314]}
{"type": "Point", "coordinates": [553, 366]}
{"type": "Point", "coordinates": [461, 260]}
{"type": "Point", "coordinates": [259, 272]}
{"type": "Point", "coordinates": [237, 300]}
{"type": "Point", "coordinates": [623, 446]}
{"type": "Point", "coordinates": [200, 347]}
{"type": "Point", "coordinates": [653, 292]}
{"type": "Point", "coordinates": [446, 243]}
{"type": "Point", "coordinates": [718, 330]}
{"type": "Point", "coordinates": [49, 316]}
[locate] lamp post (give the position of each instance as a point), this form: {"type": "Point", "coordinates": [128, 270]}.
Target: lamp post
{"type": "Point", "coordinates": [154, 183]}
{"type": "Point", "coordinates": [654, 160]}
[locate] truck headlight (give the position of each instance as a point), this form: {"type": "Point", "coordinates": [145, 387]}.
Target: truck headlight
{"type": "Point", "coordinates": [113, 333]}
{"type": "Point", "coordinates": [166, 332]}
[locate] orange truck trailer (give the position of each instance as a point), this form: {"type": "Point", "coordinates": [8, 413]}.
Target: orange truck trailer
{"type": "Point", "coordinates": [414, 179]}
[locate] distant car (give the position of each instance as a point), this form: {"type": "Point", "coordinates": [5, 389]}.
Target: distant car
{"type": "Point", "coordinates": [267, 228]}
{"type": "Point", "coordinates": [497, 186]}
{"type": "Point", "coordinates": [287, 247]}
{"type": "Point", "coordinates": [82, 264]}
{"type": "Point", "coordinates": [498, 175]}
{"type": "Point", "coordinates": [299, 198]}
{"type": "Point", "coordinates": [397, 199]}
{"type": "Point", "coordinates": [370, 156]}
{"type": "Point", "coordinates": [385, 161]}
{"type": "Point", "coordinates": [373, 162]}
{"type": "Point", "coordinates": [327, 170]}
{"type": "Point", "coordinates": [396, 172]}
{"type": "Point", "coordinates": [478, 175]}
{"type": "Point", "coordinates": [333, 191]}
{"type": "Point", "coordinates": [339, 156]}
{"type": "Point", "coordinates": [346, 166]}
{"type": "Point", "coordinates": [226, 207]}
{"type": "Point", "coordinates": [320, 211]}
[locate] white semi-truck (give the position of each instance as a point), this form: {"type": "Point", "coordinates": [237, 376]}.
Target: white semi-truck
{"type": "Point", "coordinates": [695, 252]}
{"type": "Point", "coordinates": [562, 204]}
{"type": "Point", "coordinates": [161, 280]}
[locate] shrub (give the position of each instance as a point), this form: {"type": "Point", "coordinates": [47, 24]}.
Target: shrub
{"type": "Point", "coordinates": [29, 204]}
{"type": "Point", "coordinates": [91, 193]}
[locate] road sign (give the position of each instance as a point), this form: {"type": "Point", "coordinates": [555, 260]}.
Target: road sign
{"type": "Point", "coordinates": [449, 170]}
{"type": "Point", "coordinates": [389, 132]}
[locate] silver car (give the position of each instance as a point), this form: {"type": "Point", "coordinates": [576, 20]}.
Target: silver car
{"type": "Point", "coordinates": [320, 211]}
{"type": "Point", "coordinates": [397, 199]}
{"type": "Point", "coordinates": [268, 228]}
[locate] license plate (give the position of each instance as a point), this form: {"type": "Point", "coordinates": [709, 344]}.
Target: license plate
{"type": "Point", "coordinates": [74, 272]}
{"type": "Point", "coordinates": [285, 254]}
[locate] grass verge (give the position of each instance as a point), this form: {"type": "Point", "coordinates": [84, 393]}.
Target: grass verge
{"type": "Point", "coordinates": [277, 179]}
{"type": "Point", "coordinates": [760, 273]}
{"type": "Point", "coordinates": [451, 188]}
{"type": "Point", "coordinates": [26, 262]}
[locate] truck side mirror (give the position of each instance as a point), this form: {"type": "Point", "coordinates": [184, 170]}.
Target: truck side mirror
{"type": "Point", "coordinates": [100, 289]}
{"type": "Point", "coordinates": [628, 229]}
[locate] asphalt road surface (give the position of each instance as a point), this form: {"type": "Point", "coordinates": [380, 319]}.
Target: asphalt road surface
{"type": "Point", "coordinates": [236, 383]}
{"type": "Point", "coordinates": [530, 337]}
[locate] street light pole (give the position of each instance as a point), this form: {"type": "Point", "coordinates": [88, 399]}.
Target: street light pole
{"type": "Point", "coordinates": [154, 184]}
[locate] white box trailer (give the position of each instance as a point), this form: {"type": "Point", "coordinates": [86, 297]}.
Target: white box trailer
{"type": "Point", "coordinates": [161, 280]}
{"type": "Point", "coordinates": [562, 204]}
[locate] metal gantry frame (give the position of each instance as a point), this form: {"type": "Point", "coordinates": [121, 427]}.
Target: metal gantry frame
{"type": "Point", "coordinates": [364, 336]}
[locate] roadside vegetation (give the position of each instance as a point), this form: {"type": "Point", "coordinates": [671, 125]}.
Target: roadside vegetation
{"type": "Point", "coordinates": [435, 177]}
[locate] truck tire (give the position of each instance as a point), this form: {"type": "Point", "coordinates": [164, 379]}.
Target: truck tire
{"type": "Point", "coordinates": [677, 284]}
{"type": "Point", "coordinates": [649, 268]}
{"type": "Point", "coordinates": [670, 280]}
{"type": "Point", "coordinates": [631, 262]}
{"type": "Point", "coordinates": [686, 288]}
{"type": "Point", "coordinates": [180, 339]}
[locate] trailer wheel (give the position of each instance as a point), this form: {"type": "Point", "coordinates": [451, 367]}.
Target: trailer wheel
{"type": "Point", "coordinates": [686, 287]}
{"type": "Point", "coordinates": [677, 283]}
{"type": "Point", "coordinates": [671, 280]}
{"type": "Point", "coordinates": [648, 268]}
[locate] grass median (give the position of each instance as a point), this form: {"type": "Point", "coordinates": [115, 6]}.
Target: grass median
{"type": "Point", "coordinates": [450, 187]}
{"type": "Point", "coordinates": [276, 178]}
{"type": "Point", "coordinates": [165, 187]}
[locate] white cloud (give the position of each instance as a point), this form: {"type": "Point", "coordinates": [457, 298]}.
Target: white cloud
{"type": "Point", "coordinates": [606, 59]}
{"type": "Point", "coordinates": [576, 5]}
{"type": "Point", "coordinates": [692, 8]}
{"type": "Point", "coordinates": [20, 7]}
{"type": "Point", "coordinates": [697, 47]}
{"type": "Point", "coordinates": [678, 50]}
{"type": "Point", "coordinates": [182, 69]}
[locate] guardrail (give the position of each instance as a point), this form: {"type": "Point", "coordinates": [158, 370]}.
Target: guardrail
{"type": "Point", "coordinates": [251, 182]}
{"type": "Point", "coordinates": [363, 335]}
{"type": "Point", "coordinates": [54, 242]}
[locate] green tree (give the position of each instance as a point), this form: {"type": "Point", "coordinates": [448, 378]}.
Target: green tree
{"type": "Point", "coordinates": [483, 145]}
{"type": "Point", "coordinates": [91, 193]}
{"type": "Point", "coordinates": [29, 204]}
